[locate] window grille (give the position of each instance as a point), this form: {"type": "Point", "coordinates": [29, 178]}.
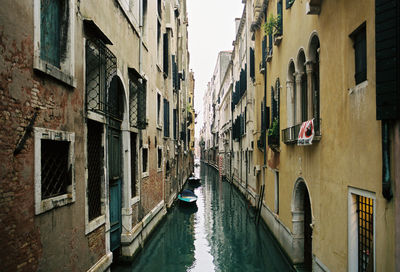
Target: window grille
{"type": "Point", "coordinates": [137, 103]}
{"type": "Point", "coordinates": [95, 167]}
{"type": "Point", "coordinates": [56, 170]}
{"type": "Point", "coordinates": [365, 208]}
{"type": "Point", "coordinates": [101, 66]}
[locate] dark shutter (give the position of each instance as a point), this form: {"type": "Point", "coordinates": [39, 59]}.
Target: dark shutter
{"type": "Point", "coordinates": [280, 14]}
{"type": "Point", "coordinates": [264, 51]}
{"type": "Point", "coordinates": [174, 123]}
{"type": "Point", "coordinates": [166, 118]}
{"type": "Point", "coordinates": [142, 106]}
{"type": "Point", "coordinates": [270, 44]}
{"type": "Point", "coordinates": [360, 48]}
{"type": "Point", "coordinates": [387, 37]}
{"type": "Point", "coordinates": [166, 55]}
{"type": "Point", "coordinates": [50, 27]}
{"type": "Point", "coordinates": [252, 68]}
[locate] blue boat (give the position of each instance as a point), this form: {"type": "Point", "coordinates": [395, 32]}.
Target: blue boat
{"type": "Point", "coordinates": [187, 196]}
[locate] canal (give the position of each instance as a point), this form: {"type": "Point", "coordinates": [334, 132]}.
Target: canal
{"type": "Point", "coordinates": [218, 234]}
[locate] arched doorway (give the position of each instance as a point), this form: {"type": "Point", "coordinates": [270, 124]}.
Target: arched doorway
{"type": "Point", "coordinates": [302, 222]}
{"type": "Point", "coordinates": [115, 110]}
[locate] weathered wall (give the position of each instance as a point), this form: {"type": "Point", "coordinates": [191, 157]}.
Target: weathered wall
{"type": "Point", "coordinates": [349, 152]}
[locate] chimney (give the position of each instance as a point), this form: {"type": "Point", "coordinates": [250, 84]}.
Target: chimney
{"type": "Point", "coordinates": [237, 23]}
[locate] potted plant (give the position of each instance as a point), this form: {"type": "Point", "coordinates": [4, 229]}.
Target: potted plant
{"type": "Point", "coordinates": [272, 27]}
{"type": "Point", "coordinates": [273, 135]}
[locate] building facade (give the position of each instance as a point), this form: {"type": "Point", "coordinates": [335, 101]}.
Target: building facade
{"type": "Point", "coordinates": [314, 127]}
{"type": "Point", "coordinates": [91, 163]}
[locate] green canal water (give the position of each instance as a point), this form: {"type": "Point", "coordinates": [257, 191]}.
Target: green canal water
{"type": "Point", "coordinates": [218, 234]}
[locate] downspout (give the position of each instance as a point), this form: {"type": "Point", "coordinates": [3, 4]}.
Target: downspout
{"type": "Point", "coordinates": [140, 214]}
{"type": "Point", "coordinates": [386, 183]}
{"type": "Point", "coordinates": [230, 166]}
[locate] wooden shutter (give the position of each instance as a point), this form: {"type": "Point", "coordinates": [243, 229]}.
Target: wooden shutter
{"type": "Point", "coordinates": [50, 26]}
{"type": "Point", "coordinates": [280, 14]}
{"type": "Point", "coordinates": [387, 38]}
{"type": "Point", "coordinates": [166, 118]}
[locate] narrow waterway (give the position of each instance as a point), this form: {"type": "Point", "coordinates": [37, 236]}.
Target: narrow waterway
{"type": "Point", "coordinates": [218, 234]}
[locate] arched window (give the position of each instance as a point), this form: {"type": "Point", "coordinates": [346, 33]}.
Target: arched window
{"type": "Point", "coordinates": [302, 94]}
{"type": "Point", "coordinates": [291, 95]}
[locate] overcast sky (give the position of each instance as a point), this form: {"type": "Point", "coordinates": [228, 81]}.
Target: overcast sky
{"type": "Point", "coordinates": [211, 30]}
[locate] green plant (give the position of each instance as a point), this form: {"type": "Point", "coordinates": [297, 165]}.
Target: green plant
{"type": "Point", "coordinates": [274, 130]}
{"type": "Point", "coordinates": [272, 26]}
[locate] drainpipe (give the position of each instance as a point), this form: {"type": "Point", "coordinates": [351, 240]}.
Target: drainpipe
{"type": "Point", "coordinates": [140, 144]}
{"type": "Point", "coordinates": [230, 166]}
{"type": "Point", "coordinates": [386, 183]}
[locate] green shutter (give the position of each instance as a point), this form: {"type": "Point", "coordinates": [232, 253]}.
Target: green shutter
{"type": "Point", "coordinates": [50, 12]}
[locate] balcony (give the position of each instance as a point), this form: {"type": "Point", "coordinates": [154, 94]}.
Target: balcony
{"type": "Point", "coordinates": [290, 134]}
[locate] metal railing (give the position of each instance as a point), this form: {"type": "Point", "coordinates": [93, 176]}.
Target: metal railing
{"type": "Point", "coordinates": [290, 134]}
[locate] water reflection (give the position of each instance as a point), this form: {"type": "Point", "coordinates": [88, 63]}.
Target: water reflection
{"type": "Point", "coordinates": [217, 234]}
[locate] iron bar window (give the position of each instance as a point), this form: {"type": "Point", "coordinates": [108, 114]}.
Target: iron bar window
{"type": "Point", "coordinates": [365, 209]}
{"type": "Point", "coordinates": [101, 66]}
{"type": "Point", "coordinates": [137, 102]}
{"type": "Point", "coordinates": [56, 173]}
{"type": "Point", "coordinates": [95, 167]}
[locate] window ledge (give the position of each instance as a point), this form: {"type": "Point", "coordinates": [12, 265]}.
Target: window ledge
{"type": "Point", "coordinates": [54, 72]}
{"type": "Point", "coordinates": [277, 40]}
{"type": "Point", "coordinates": [359, 87]}
{"type": "Point", "coordinates": [95, 223]}
{"type": "Point", "coordinates": [54, 202]}
{"type": "Point", "coordinates": [135, 200]}
{"type": "Point", "coordinates": [145, 174]}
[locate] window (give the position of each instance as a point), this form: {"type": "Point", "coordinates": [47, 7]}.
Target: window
{"type": "Point", "coordinates": [166, 55]}
{"type": "Point", "coordinates": [95, 168]}
{"type": "Point", "coordinates": [54, 169]}
{"type": "Point", "coordinates": [276, 192]}
{"type": "Point", "coordinates": [158, 42]}
{"type": "Point", "coordinates": [101, 66]}
{"type": "Point", "coordinates": [166, 118]}
{"type": "Point", "coordinates": [280, 17]}
{"type": "Point", "coordinates": [159, 158]}
{"type": "Point", "coordinates": [361, 230]}
{"type": "Point", "coordinates": [137, 100]}
{"type": "Point", "coordinates": [134, 160]}
{"type": "Point", "coordinates": [360, 53]}
{"type": "Point", "coordinates": [144, 19]}
{"type": "Point", "coordinates": [158, 109]}
{"type": "Point", "coordinates": [54, 39]}
{"type": "Point", "coordinates": [174, 120]}
{"type": "Point", "coordinates": [145, 161]}
{"type": "Point", "coordinates": [159, 7]}
{"type": "Point", "coordinates": [252, 64]}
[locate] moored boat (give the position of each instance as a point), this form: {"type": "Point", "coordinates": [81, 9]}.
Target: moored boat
{"type": "Point", "coordinates": [187, 196]}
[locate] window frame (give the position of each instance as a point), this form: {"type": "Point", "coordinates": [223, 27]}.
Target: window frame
{"type": "Point", "coordinates": [66, 72]}
{"type": "Point", "coordinates": [159, 160]}
{"type": "Point", "coordinates": [91, 225]}
{"type": "Point", "coordinates": [359, 39]}
{"type": "Point", "coordinates": [352, 236]}
{"type": "Point", "coordinates": [44, 205]}
{"type": "Point", "coordinates": [145, 173]}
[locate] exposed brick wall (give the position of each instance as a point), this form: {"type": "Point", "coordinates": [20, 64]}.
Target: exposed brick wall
{"type": "Point", "coordinates": [97, 243]}
{"type": "Point", "coordinates": [20, 239]}
{"type": "Point", "coordinates": [152, 190]}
